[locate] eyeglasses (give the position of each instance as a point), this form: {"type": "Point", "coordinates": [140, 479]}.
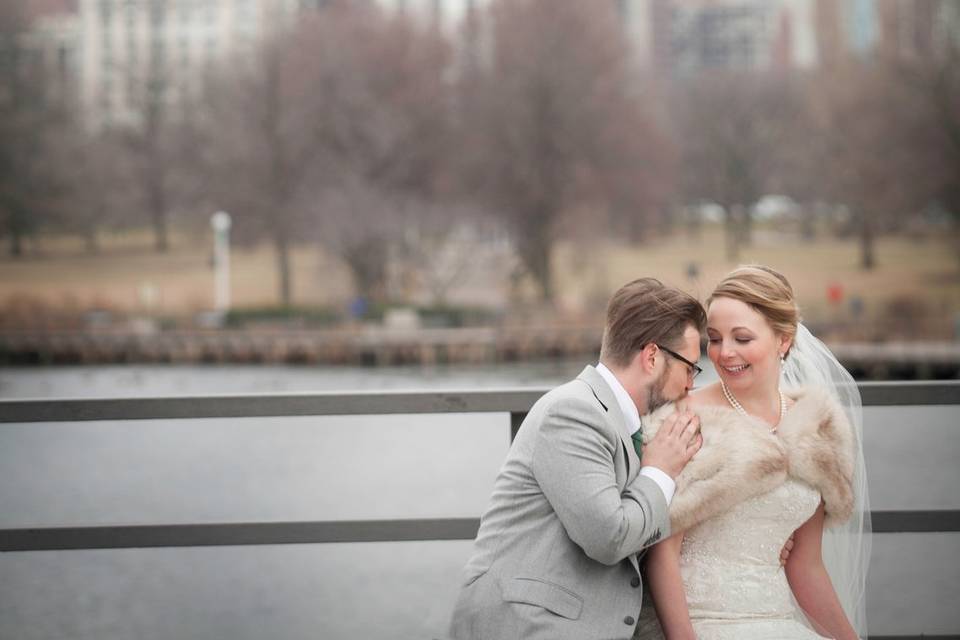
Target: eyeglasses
{"type": "Point", "coordinates": [694, 370]}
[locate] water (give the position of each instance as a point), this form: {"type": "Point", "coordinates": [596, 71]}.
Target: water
{"type": "Point", "coordinates": [159, 380]}
{"type": "Point", "coordinates": [322, 468]}
{"type": "Point", "coordinates": [222, 470]}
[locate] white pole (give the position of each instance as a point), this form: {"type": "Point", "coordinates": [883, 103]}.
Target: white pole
{"type": "Point", "coordinates": [220, 221]}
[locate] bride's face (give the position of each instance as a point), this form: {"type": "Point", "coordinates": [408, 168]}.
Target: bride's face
{"type": "Point", "coordinates": [742, 345]}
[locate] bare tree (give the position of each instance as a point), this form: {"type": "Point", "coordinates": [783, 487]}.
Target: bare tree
{"type": "Point", "coordinates": [441, 242]}
{"type": "Point", "coordinates": [553, 122]}
{"type": "Point", "coordinates": [879, 146]}
{"type": "Point", "coordinates": [333, 127]}
{"type": "Point", "coordinates": [31, 117]}
{"type": "Point", "coordinates": [735, 135]}
{"type": "Point", "coordinates": [381, 108]}
{"type": "Point", "coordinates": [97, 192]}
{"type": "Point", "coordinates": [263, 145]}
{"type": "Point", "coordinates": [359, 224]}
{"type": "Point", "coordinates": [150, 133]}
{"type": "Point", "coordinates": [932, 82]}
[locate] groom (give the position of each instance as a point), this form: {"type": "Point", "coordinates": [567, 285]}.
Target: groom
{"type": "Point", "coordinates": [556, 554]}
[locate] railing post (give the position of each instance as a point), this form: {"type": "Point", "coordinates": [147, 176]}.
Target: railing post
{"type": "Point", "coordinates": [516, 419]}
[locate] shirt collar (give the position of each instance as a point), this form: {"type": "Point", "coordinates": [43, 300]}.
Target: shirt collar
{"type": "Point", "coordinates": [627, 406]}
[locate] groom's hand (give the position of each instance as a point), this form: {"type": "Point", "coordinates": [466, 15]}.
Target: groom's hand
{"type": "Point", "coordinates": [675, 443]}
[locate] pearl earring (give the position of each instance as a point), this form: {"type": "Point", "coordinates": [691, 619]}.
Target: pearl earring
{"type": "Point", "coordinates": [783, 359]}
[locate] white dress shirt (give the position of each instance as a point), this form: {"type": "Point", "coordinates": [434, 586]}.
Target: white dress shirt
{"type": "Point", "coordinates": [632, 414]}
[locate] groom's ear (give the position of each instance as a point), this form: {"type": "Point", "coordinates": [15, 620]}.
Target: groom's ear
{"type": "Point", "coordinates": [646, 358]}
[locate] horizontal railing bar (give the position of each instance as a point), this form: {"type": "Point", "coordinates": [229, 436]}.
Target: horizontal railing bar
{"type": "Point", "coordinates": [910, 392]}
{"type": "Point", "coordinates": [267, 405]}
{"type": "Point", "coordinates": [916, 521]}
{"type": "Point", "coordinates": [239, 533]}
{"type": "Point", "coordinates": [923, 636]}
{"type": "Point", "coordinates": [371, 403]}
{"type": "Point", "coordinates": [258, 533]}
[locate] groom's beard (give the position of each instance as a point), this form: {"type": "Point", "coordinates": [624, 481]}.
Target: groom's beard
{"type": "Point", "coordinates": [655, 395]}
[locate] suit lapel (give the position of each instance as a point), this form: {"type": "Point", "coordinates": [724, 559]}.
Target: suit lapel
{"type": "Point", "coordinates": [605, 396]}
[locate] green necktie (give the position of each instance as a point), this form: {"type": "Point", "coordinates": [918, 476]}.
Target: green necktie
{"type": "Point", "coordinates": [637, 438]}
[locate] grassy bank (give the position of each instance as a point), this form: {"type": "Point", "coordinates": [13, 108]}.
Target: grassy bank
{"type": "Point", "coordinates": [914, 280]}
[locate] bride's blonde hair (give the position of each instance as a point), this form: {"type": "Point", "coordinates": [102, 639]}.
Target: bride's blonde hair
{"type": "Point", "coordinates": [765, 290]}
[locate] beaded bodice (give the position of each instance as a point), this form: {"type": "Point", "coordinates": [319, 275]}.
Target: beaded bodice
{"type": "Point", "coordinates": [731, 563]}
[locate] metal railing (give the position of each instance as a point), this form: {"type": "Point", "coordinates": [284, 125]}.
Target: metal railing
{"type": "Point", "coordinates": [515, 402]}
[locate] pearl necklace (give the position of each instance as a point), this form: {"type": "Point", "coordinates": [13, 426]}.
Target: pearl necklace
{"type": "Point", "coordinates": [739, 407]}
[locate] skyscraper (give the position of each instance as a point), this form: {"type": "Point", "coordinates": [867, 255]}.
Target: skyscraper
{"type": "Point", "coordinates": [135, 51]}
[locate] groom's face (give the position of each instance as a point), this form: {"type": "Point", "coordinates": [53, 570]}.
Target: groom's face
{"type": "Point", "coordinates": [676, 378]}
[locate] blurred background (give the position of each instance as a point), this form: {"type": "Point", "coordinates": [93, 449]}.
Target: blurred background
{"type": "Point", "coordinates": [211, 196]}
{"type": "Point", "coordinates": [468, 163]}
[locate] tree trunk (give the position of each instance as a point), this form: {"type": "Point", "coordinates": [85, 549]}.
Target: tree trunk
{"type": "Point", "coordinates": [808, 223]}
{"type": "Point", "coordinates": [745, 226]}
{"type": "Point", "coordinates": [956, 246]}
{"type": "Point", "coordinates": [637, 228]}
{"type": "Point", "coordinates": [693, 222]}
{"type": "Point", "coordinates": [731, 234]}
{"type": "Point", "coordinates": [867, 259]}
{"type": "Point", "coordinates": [368, 265]}
{"type": "Point", "coordinates": [19, 227]}
{"type": "Point", "coordinates": [16, 243]}
{"type": "Point", "coordinates": [90, 241]}
{"type": "Point", "coordinates": [158, 215]}
{"type": "Point", "coordinates": [283, 267]}
{"type": "Point", "coordinates": [664, 219]}
{"type": "Point", "coordinates": [536, 255]}
{"type": "Point", "coordinates": [160, 242]}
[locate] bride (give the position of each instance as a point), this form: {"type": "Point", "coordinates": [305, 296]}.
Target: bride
{"type": "Point", "coordinates": [781, 456]}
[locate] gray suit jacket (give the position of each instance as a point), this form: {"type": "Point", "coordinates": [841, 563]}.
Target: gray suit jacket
{"type": "Point", "coordinates": [556, 554]}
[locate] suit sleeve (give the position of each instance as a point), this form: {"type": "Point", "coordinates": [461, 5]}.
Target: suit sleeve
{"type": "Point", "coordinates": [574, 465]}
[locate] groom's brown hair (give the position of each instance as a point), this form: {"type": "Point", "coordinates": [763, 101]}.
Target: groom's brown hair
{"type": "Point", "coordinates": [645, 311]}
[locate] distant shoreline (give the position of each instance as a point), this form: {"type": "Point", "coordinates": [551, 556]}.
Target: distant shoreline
{"type": "Point", "coordinates": [379, 347]}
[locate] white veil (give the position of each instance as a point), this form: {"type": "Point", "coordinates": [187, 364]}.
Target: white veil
{"type": "Point", "coordinates": [846, 548]}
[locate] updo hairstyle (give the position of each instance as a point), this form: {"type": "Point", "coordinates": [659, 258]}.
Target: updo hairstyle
{"type": "Point", "coordinates": [766, 291]}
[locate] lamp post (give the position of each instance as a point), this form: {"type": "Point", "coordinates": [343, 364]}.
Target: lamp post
{"type": "Point", "coordinates": [220, 221]}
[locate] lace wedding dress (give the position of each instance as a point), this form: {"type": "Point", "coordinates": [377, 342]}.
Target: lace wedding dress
{"type": "Point", "coordinates": [730, 564]}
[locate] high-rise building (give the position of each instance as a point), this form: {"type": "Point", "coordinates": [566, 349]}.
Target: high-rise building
{"type": "Point", "coordinates": [447, 15]}
{"type": "Point", "coordinates": [52, 45]}
{"type": "Point", "coordinates": [118, 53]}
{"type": "Point", "coordinates": [892, 28]}
{"type": "Point", "coordinates": [691, 35]}
{"type": "Point", "coordinates": [917, 28]}
{"type": "Point", "coordinates": [637, 19]}
{"type": "Point", "coordinates": [861, 26]}
{"type": "Point", "coordinates": [140, 50]}
{"type": "Point", "coordinates": [736, 35]}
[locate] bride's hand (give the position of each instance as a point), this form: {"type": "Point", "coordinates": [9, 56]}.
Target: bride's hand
{"type": "Point", "coordinates": [785, 552]}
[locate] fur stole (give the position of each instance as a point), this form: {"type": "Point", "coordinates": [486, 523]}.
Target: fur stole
{"type": "Point", "coordinates": [741, 459]}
